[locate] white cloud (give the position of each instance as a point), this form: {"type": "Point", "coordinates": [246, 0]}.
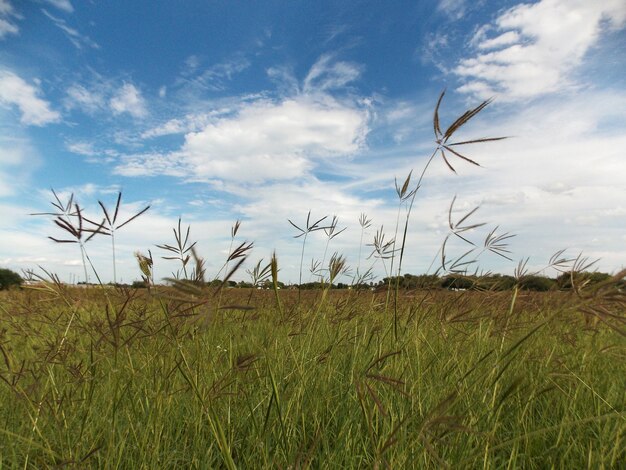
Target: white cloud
{"type": "Point", "coordinates": [6, 28]}
{"type": "Point", "coordinates": [64, 5]}
{"type": "Point", "coordinates": [88, 100]}
{"type": "Point", "coordinates": [5, 7]}
{"type": "Point", "coordinates": [453, 8]}
{"type": "Point", "coordinates": [128, 99]}
{"type": "Point", "coordinates": [263, 141]}
{"type": "Point", "coordinates": [173, 126]}
{"type": "Point", "coordinates": [18, 158]}
{"type": "Point", "coordinates": [537, 47]}
{"type": "Point", "coordinates": [327, 74]}
{"type": "Point", "coordinates": [214, 78]}
{"type": "Point", "coordinates": [76, 38]}
{"type": "Point", "coordinates": [284, 79]}
{"type": "Point", "coordinates": [14, 91]}
{"type": "Point", "coordinates": [189, 123]}
{"type": "Point", "coordinates": [558, 183]}
{"type": "Point", "coordinates": [106, 95]}
{"type": "Point", "coordinates": [91, 152]}
{"type": "Point", "coordinates": [510, 37]}
{"type": "Point", "coordinates": [152, 164]}
{"type": "Point", "coordinates": [7, 13]}
{"type": "Point", "coordinates": [225, 70]}
{"type": "Point", "coordinates": [13, 151]}
{"type": "Point", "coordinates": [82, 148]}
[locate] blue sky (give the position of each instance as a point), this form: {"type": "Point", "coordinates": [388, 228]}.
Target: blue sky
{"type": "Point", "coordinates": [262, 111]}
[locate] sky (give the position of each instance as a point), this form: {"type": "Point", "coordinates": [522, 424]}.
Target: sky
{"type": "Point", "coordinates": [214, 112]}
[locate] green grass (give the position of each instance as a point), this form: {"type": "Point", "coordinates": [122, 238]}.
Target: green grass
{"type": "Point", "coordinates": [169, 383]}
{"type": "Point", "coordinates": [190, 377]}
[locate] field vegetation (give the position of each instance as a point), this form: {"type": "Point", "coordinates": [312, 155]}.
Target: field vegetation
{"type": "Point", "coordinates": [455, 369]}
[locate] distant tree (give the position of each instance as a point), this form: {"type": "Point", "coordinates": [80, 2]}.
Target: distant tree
{"type": "Point", "coordinates": [312, 285]}
{"type": "Point", "coordinates": [9, 278]}
{"type": "Point", "coordinates": [427, 281]}
{"type": "Point", "coordinates": [457, 282]}
{"type": "Point", "coordinates": [412, 281]}
{"type": "Point", "coordinates": [538, 283]}
{"type": "Point", "coordinates": [564, 281]}
{"type": "Point", "coordinates": [139, 284]}
{"type": "Point", "coordinates": [267, 284]}
{"type": "Point", "coordinates": [496, 282]}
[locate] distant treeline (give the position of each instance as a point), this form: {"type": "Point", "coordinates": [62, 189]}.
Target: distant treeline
{"type": "Point", "coordinates": [491, 282]}
{"type": "Point", "coordinates": [498, 282]}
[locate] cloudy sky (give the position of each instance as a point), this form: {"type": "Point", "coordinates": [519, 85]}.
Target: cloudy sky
{"type": "Point", "coordinates": [263, 111]}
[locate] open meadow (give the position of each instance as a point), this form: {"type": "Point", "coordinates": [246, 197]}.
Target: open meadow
{"type": "Point", "coordinates": [244, 378]}
{"type": "Point", "coordinates": [467, 370]}
{"type": "Point", "coordinates": [431, 272]}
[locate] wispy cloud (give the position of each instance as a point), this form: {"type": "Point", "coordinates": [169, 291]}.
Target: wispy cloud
{"type": "Point", "coordinates": [284, 79]}
{"type": "Point", "coordinates": [192, 122]}
{"type": "Point", "coordinates": [14, 91]}
{"type": "Point", "coordinates": [329, 74]}
{"type": "Point", "coordinates": [453, 8]}
{"type": "Point", "coordinates": [128, 99]}
{"type": "Point", "coordinates": [532, 49]}
{"type": "Point", "coordinates": [82, 148]}
{"type": "Point", "coordinates": [17, 159]}
{"type": "Point", "coordinates": [5, 7]}
{"type": "Point", "coordinates": [7, 16]}
{"type": "Point", "coordinates": [64, 5]}
{"type": "Point", "coordinates": [106, 95]}
{"type": "Point", "coordinates": [79, 40]}
{"type": "Point", "coordinates": [80, 97]}
{"type": "Point", "coordinates": [214, 78]}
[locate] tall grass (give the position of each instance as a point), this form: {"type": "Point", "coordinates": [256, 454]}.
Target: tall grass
{"type": "Point", "coordinates": [196, 375]}
{"type": "Point", "coordinates": [473, 380]}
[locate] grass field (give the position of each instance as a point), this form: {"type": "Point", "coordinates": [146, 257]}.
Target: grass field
{"type": "Point", "coordinates": [193, 376]}
{"type": "Point", "coordinates": [162, 378]}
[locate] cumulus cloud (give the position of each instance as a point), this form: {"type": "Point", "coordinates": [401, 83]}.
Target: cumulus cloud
{"type": "Point", "coordinates": [261, 139]}
{"type": "Point", "coordinates": [532, 48]}
{"type": "Point", "coordinates": [264, 141]}
{"type": "Point", "coordinates": [14, 91]}
{"type": "Point", "coordinates": [128, 99]}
